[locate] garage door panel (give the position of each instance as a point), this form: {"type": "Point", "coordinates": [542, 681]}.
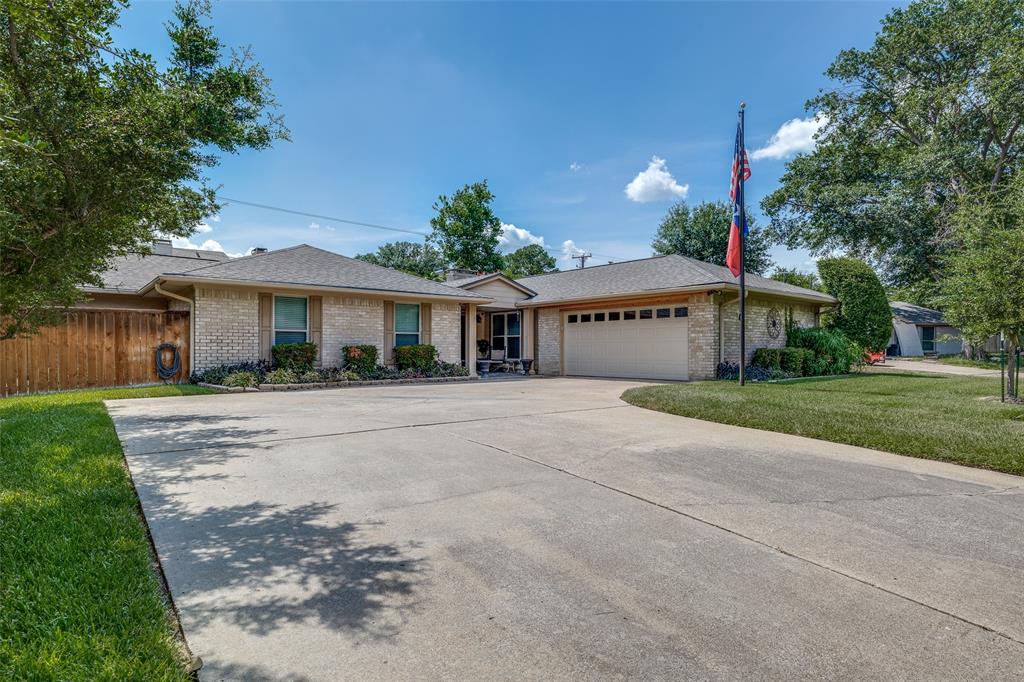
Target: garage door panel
{"type": "Point", "coordinates": [648, 348]}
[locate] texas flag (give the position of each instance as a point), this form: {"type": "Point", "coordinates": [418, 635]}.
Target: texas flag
{"type": "Point", "coordinates": [739, 165]}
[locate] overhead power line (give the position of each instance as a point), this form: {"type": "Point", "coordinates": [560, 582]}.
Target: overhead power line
{"type": "Point", "coordinates": [359, 223]}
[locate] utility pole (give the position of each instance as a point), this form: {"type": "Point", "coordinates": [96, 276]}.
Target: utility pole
{"type": "Point", "coordinates": [582, 258]}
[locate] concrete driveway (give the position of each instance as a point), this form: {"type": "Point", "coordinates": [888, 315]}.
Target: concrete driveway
{"type": "Point", "coordinates": [542, 529]}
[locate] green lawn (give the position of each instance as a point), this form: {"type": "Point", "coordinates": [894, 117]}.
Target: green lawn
{"type": "Point", "coordinates": [79, 599]}
{"type": "Point", "coordinates": [933, 416]}
{"type": "Point", "coordinates": [965, 362]}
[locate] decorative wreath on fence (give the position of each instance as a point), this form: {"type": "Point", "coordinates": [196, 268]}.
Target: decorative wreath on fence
{"type": "Point", "coordinates": [166, 372]}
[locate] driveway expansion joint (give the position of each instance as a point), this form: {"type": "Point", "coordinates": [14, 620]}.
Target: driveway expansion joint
{"type": "Point", "coordinates": [780, 550]}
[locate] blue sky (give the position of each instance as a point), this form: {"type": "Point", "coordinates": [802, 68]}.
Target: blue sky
{"type": "Point", "coordinates": [562, 107]}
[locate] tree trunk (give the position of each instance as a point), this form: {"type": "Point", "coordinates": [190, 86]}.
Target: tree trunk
{"type": "Point", "coordinates": [1011, 372]}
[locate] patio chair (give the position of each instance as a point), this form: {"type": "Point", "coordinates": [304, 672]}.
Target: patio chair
{"type": "Point", "coordinates": [498, 361]}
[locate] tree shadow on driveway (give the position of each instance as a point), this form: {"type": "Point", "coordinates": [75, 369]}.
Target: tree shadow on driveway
{"type": "Point", "coordinates": [233, 558]}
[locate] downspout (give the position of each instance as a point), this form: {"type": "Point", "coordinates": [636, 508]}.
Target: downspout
{"type": "Point", "coordinates": [191, 323]}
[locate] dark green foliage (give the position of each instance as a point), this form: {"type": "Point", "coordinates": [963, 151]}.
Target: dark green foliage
{"type": "Point", "coordinates": [730, 371]}
{"type": "Point", "coordinates": [217, 375]}
{"type": "Point", "coordinates": [767, 358]}
{"type": "Point", "coordinates": [807, 280]}
{"type": "Point", "coordinates": [466, 230]}
{"type": "Point", "coordinates": [789, 360]}
{"type": "Point", "coordinates": [703, 233]}
{"type": "Point", "coordinates": [833, 352]}
{"type": "Point", "coordinates": [529, 260]}
{"type": "Point", "coordinates": [421, 356]}
{"type": "Point", "coordinates": [864, 314]}
{"type": "Point", "coordinates": [106, 147]}
{"type": "Point", "coordinates": [360, 359]}
{"type": "Point", "coordinates": [422, 260]}
{"type": "Point", "coordinates": [298, 357]}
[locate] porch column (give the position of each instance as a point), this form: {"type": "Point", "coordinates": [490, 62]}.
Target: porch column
{"type": "Point", "coordinates": [471, 338]}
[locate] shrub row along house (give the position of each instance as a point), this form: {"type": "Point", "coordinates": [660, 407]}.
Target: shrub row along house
{"type": "Point", "coordinates": [667, 317]}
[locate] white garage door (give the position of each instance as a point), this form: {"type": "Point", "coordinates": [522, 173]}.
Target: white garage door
{"type": "Point", "coordinates": [639, 343]}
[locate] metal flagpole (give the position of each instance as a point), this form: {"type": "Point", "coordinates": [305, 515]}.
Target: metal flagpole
{"type": "Point", "coordinates": [743, 239]}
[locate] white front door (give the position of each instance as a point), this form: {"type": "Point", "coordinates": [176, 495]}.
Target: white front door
{"type": "Point", "coordinates": [639, 343]}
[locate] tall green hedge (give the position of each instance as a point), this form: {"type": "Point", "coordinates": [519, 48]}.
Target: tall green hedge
{"type": "Point", "coordinates": [863, 313]}
{"type": "Point", "coordinates": [361, 359]}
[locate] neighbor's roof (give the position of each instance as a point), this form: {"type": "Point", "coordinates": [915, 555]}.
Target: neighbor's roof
{"type": "Point", "coordinates": [651, 276]}
{"type": "Point", "coordinates": [131, 273]}
{"type": "Point", "coordinates": [464, 282]}
{"type": "Point", "coordinates": [915, 314]}
{"type": "Point", "coordinates": [306, 265]}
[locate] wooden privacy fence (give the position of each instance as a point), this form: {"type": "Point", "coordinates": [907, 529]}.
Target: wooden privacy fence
{"type": "Point", "coordinates": [94, 348]}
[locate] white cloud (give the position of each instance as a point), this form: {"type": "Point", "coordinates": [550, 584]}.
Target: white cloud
{"type": "Point", "coordinates": [513, 238]}
{"type": "Point", "coordinates": [574, 166]}
{"type": "Point", "coordinates": [792, 137]}
{"type": "Point", "coordinates": [215, 218]}
{"type": "Point", "coordinates": [569, 249]}
{"type": "Point", "coordinates": [655, 184]}
{"type": "Point", "coordinates": [202, 228]}
{"type": "Point", "coordinates": [208, 245]}
{"type": "Point", "coordinates": [318, 226]}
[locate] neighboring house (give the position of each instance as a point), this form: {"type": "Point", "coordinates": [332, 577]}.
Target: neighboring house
{"type": "Point", "coordinates": [918, 331]}
{"type": "Point", "coordinates": [667, 317]}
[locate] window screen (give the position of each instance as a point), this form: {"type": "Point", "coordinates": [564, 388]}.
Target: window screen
{"type": "Point", "coordinates": [407, 324]}
{"type": "Point", "coordinates": [289, 319]}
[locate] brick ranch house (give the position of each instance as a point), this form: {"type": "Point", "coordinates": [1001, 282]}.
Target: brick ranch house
{"type": "Point", "coordinates": [666, 317]}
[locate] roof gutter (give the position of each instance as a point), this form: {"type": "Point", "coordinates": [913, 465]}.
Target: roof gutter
{"type": "Point", "coordinates": [291, 286]}
{"type": "Point", "coordinates": [711, 286]}
{"type": "Point", "coordinates": [191, 321]}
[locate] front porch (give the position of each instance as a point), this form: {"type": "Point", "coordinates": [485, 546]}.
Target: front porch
{"type": "Point", "coordinates": [502, 341]}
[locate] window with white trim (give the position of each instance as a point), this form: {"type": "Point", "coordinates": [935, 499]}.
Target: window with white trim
{"type": "Point", "coordinates": [407, 324]}
{"type": "Point", "coordinates": [291, 319]}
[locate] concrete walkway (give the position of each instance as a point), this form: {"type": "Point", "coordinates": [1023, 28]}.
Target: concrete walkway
{"type": "Point", "coordinates": [932, 366]}
{"type": "Point", "coordinates": [543, 529]}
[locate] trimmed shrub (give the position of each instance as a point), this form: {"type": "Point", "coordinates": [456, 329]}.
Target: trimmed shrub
{"type": "Point", "coordinates": [791, 360]}
{"type": "Point", "coordinates": [298, 357]}
{"type": "Point", "coordinates": [769, 358]}
{"type": "Point", "coordinates": [360, 359]}
{"type": "Point", "coordinates": [241, 379]}
{"type": "Point", "coordinates": [833, 352]}
{"type": "Point", "coordinates": [217, 375]}
{"type": "Point", "coordinates": [310, 377]}
{"type": "Point", "coordinates": [281, 376]}
{"type": "Point", "coordinates": [864, 314]}
{"type": "Point", "coordinates": [421, 356]}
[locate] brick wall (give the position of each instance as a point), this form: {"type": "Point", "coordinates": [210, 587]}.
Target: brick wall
{"type": "Point", "coordinates": [351, 321]}
{"type": "Point", "coordinates": [757, 325]}
{"type": "Point", "coordinates": [702, 328]}
{"type": "Point", "coordinates": [227, 327]}
{"type": "Point", "coordinates": [446, 331]}
{"type": "Point", "coordinates": [549, 341]}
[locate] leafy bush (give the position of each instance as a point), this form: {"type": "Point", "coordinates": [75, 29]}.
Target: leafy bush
{"type": "Point", "coordinates": [311, 377]}
{"type": "Point", "coordinates": [483, 347]}
{"type": "Point", "coordinates": [833, 352]}
{"type": "Point", "coordinates": [792, 360]}
{"type": "Point", "coordinates": [217, 375]}
{"type": "Point", "coordinates": [768, 358]}
{"type": "Point", "coordinates": [731, 371]}
{"type": "Point", "coordinates": [864, 314]}
{"type": "Point", "coordinates": [281, 376]}
{"type": "Point", "coordinates": [449, 369]}
{"type": "Point", "coordinates": [421, 356]}
{"type": "Point", "coordinates": [299, 357]}
{"type": "Point", "coordinates": [360, 359]}
{"type": "Point", "coordinates": [241, 379]}
{"type": "Point", "coordinates": [338, 374]}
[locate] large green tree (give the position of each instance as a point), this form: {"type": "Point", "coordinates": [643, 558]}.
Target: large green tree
{"type": "Point", "coordinates": [422, 260]}
{"type": "Point", "coordinates": [983, 291]}
{"type": "Point", "coordinates": [929, 115]}
{"type": "Point", "coordinates": [466, 229]}
{"type": "Point", "coordinates": [101, 149]}
{"type": "Point", "coordinates": [807, 280]}
{"type": "Point", "coordinates": [532, 259]}
{"type": "Point", "coordinates": [703, 233]}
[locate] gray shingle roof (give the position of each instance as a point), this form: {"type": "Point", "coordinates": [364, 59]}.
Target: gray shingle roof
{"type": "Point", "coordinates": [649, 276]}
{"type": "Point", "coordinates": [915, 314]}
{"type": "Point", "coordinates": [130, 273]}
{"type": "Point", "coordinates": [309, 266]}
{"type": "Point", "coordinates": [463, 281]}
